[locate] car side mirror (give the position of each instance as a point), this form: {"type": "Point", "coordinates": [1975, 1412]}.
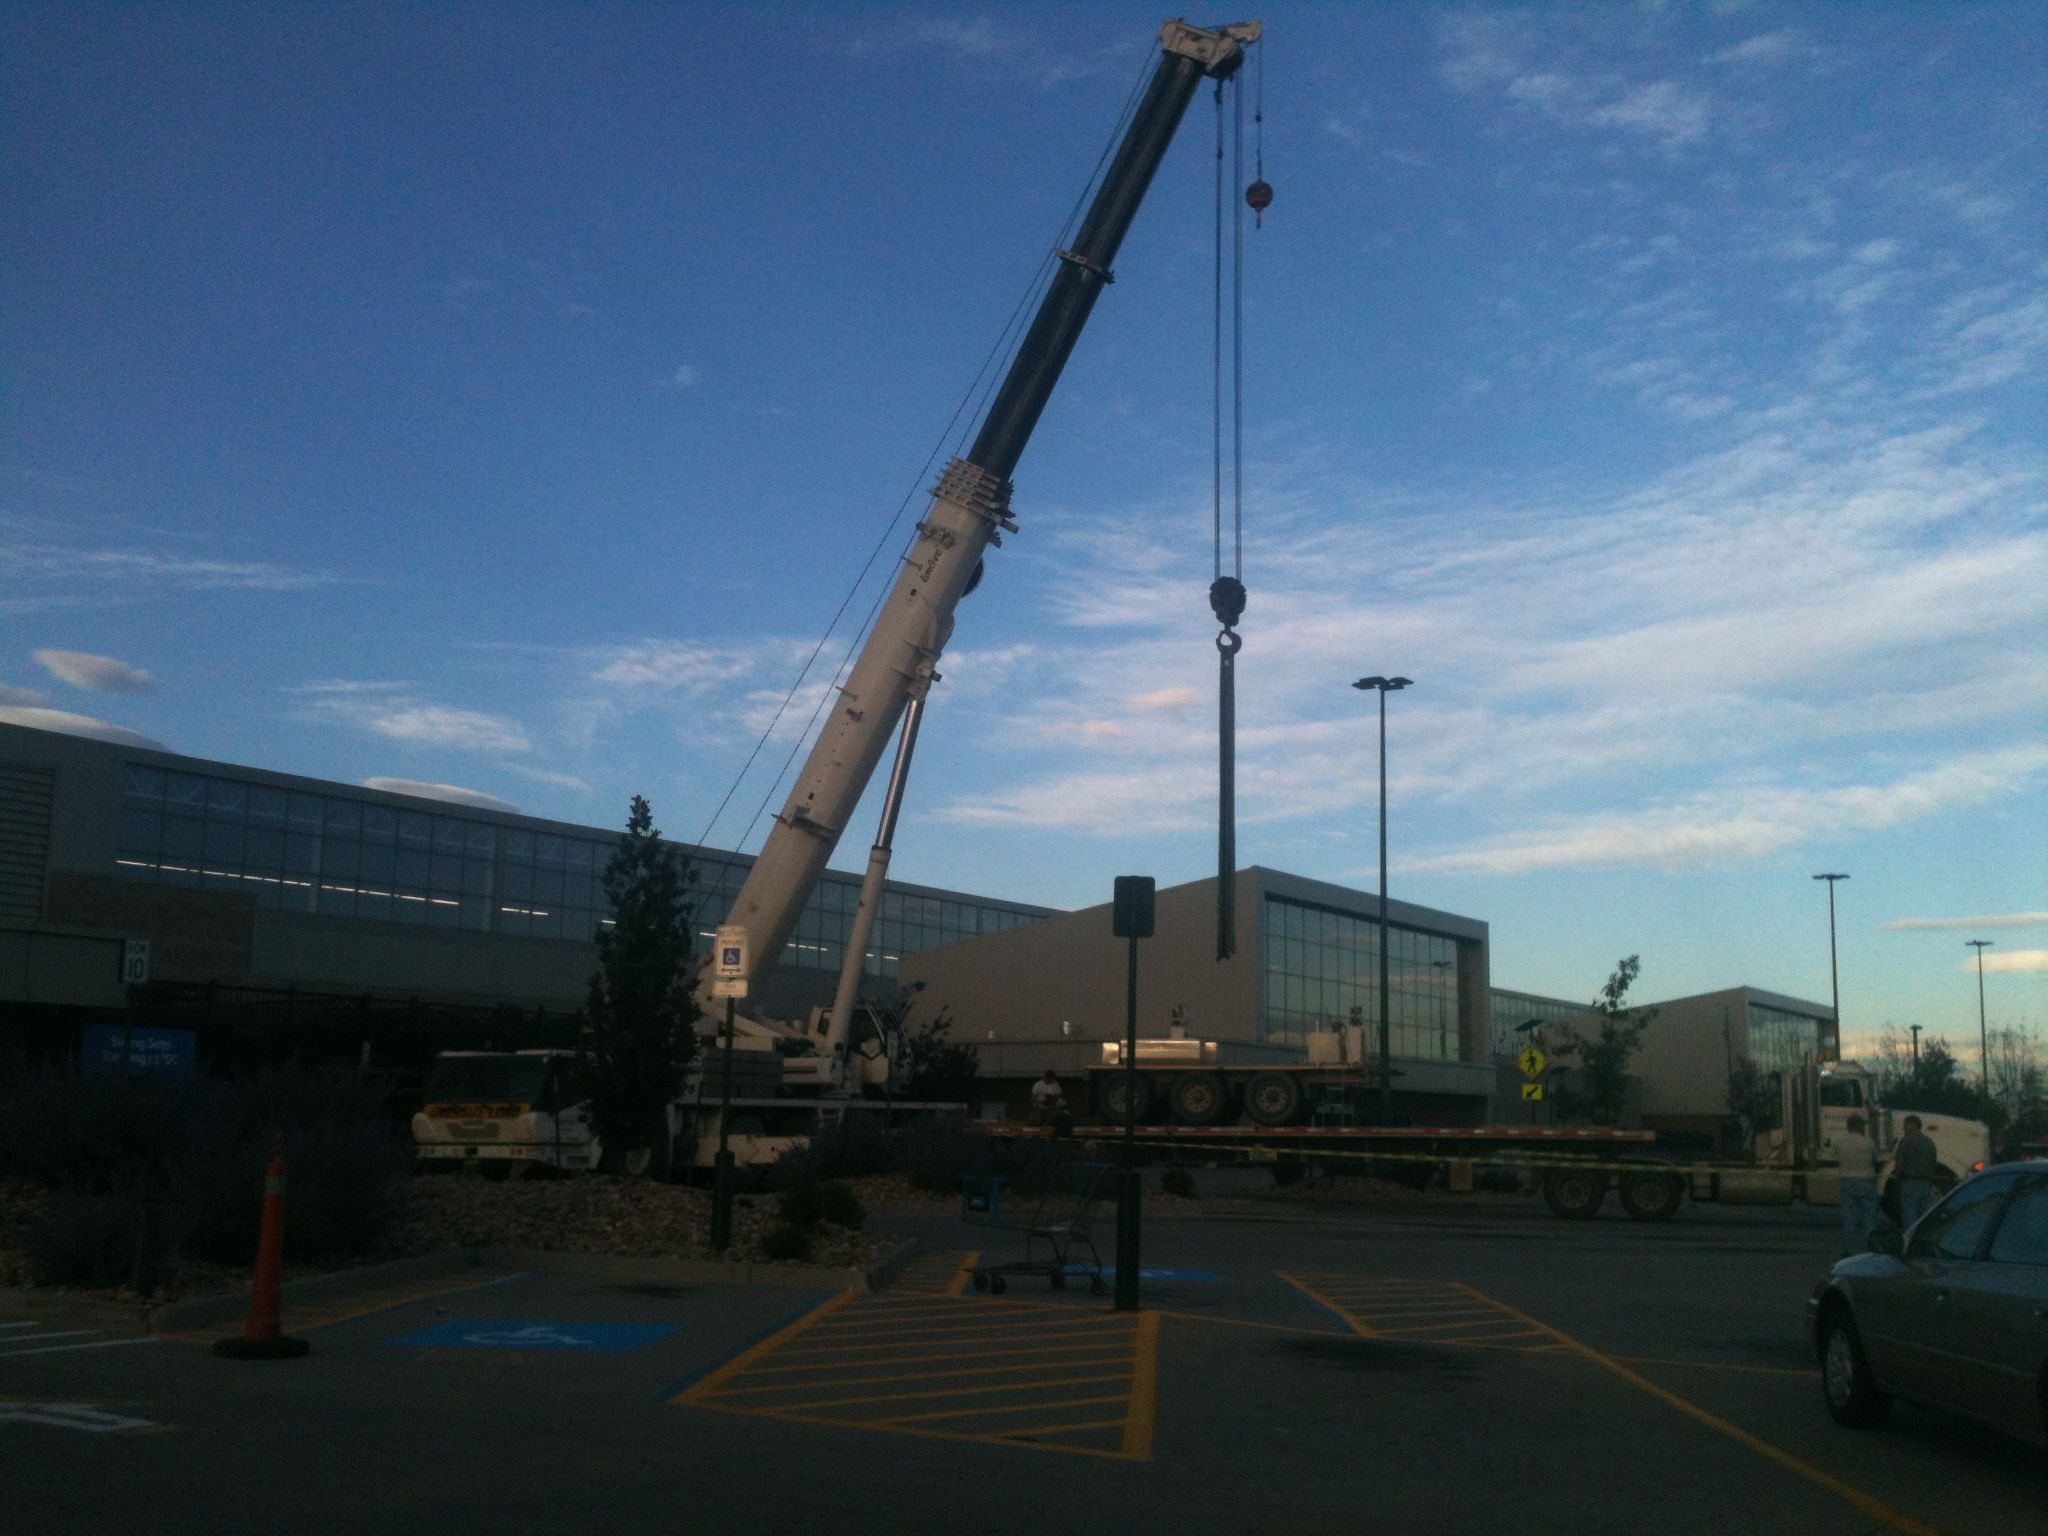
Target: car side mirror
{"type": "Point", "coordinates": [1886, 1240]}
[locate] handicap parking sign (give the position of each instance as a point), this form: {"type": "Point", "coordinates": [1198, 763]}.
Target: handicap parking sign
{"type": "Point", "coordinates": [495, 1333]}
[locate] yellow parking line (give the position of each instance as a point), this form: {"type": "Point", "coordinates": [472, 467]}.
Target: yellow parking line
{"type": "Point", "coordinates": [1714, 1365]}
{"type": "Point", "coordinates": [990, 1341]}
{"type": "Point", "coordinates": [1326, 1303]}
{"type": "Point", "coordinates": [979, 1370]}
{"type": "Point", "coordinates": [970, 1413]}
{"type": "Point", "coordinates": [1039, 1431]}
{"type": "Point", "coordinates": [970, 1354]}
{"type": "Point", "coordinates": [1875, 1508]}
{"type": "Point", "coordinates": [905, 1397]}
{"type": "Point", "coordinates": [1141, 1412]}
{"type": "Point", "coordinates": [1005, 1437]}
{"type": "Point", "coordinates": [969, 1323]}
{"type": "Point", "coordinates": [1239, 1322]}
{"type": "Point", "coordinates": [710, 1384]}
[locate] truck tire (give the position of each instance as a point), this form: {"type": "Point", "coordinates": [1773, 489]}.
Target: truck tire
{"type": "Point", "coordinates": [1110, 1098]}
{"type": "Point", "coordinates": [1273, 1098]}
{"type": "Point", "coordinates": [1574, 1193]}
{"type": "Point", "coordinates": [1198, 1098]}
{"type": "Point", "coordinates": [1651, 1196]}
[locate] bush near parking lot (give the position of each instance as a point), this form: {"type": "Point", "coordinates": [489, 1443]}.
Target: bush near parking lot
{"type": "Point", "coordinates": [786, 1244]}
{"type": "Point", "coordinates": [186, 1158]}
{"type": "Point", "coordinates": [809, 1205]}
{"type": "Point", "coordinates": [851, 1148]}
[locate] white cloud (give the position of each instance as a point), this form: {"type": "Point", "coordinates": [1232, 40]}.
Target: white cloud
{"type": "Point", "coordinates": [43, 575]}
{"type": "Point", "coordinates": [672, 664]}
{"type": "Point", "coordinates": [76, 725]}
{"type": "Point", "coordinates": [1664, 110]}
{"type": "Point", "coordinates": [2012, 960]}
{"type": "Point", "coordinates": [1961, 924]}
{"type": "Point", "coordinates": [685, 377]}
{"type": "Point", "coordinates": [1167, 699]}
{"type": "Point", "coordinates": [1730, 826]}
{"type": "Point", "coordinates": [436, 725]}
{"type": "Point", "coordinates": [103, 674]}
{"type": "Point", "coordinates": [1766, 48]}
{"type": "Point", "coordinates": [454, 794]}
{"type": "Point", "coordinates": [549, 776]}
{"type": "Point", "coordinates": [25, 698]}
{"type": "Point", "coordinates": [390, 710]}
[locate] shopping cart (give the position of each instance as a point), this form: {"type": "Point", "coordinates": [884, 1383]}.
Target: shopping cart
{"type": "Point", "coordinates": [1056, 1232]}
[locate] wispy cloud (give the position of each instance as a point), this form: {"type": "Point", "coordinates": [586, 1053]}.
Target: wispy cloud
{"type": "Point", "coordinates": [675, 665]}
{"type": "Point", "coordinates": [684, 377]}
{"type": "Point", "coordinates": [68, 724]}
{"type": "Point", "coordinates": [454, 794]}
{"type": "Point", "coordinates": [2013, 960]}
{"type": "Point", "coordinates": [391, 711]}
{"type": "Point", "coordinates": [1962, 924]}
{"type": "Point", "coordinates": [103, 674]}
{"type": "Point", "coordinates": [25, 698]}
{"type": "Point", "coordinates": [44, 575]}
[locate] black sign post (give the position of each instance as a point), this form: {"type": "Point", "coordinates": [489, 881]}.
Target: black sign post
{"type": "Point", "coordinates": [1132, 920]}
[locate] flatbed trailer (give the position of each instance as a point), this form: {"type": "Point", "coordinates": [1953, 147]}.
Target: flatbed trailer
{"type": "Point", "coordinates": [1571, 1166]}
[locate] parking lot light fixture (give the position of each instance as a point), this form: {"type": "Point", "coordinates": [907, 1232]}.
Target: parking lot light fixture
{"type": "Point", "coordinates": [1384, 686]}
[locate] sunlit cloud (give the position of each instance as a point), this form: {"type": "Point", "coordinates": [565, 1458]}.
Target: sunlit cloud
{"type": "Point", "coordinates": [1965, 924]}
{"type": "Point", "coordinates": [453, 794]}
{"type": "Point", "coordinates": [103, 674]}
{"type": "Point", "coordinates": [2012, 961]}
{"type": "Point", "coordinates": [68, 724]}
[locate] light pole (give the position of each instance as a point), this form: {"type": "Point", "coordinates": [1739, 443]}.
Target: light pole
{"type": "Point", "coordinates": [1834, 977]}
{"type": "Point", "coordinates": [1384, 686]}
{"type": "Point", "coordinates": [1983, 1040]}
{"type": "Point", "coordinates": [1916, 1028]}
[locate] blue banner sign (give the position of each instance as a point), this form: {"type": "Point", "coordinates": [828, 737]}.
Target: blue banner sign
{"type": "Point", "coordinates": [159, 1052]}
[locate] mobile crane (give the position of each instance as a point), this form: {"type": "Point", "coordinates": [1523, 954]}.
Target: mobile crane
{"type": "Point", "coordinates": [896, 666]}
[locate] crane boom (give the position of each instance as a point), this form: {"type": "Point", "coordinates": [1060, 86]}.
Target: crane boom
{"type": "Point", "coordinates": [970, 510]}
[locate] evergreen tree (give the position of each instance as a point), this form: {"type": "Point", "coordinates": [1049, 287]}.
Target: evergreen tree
{"type": "Point", "coordinates": [637, 1034]}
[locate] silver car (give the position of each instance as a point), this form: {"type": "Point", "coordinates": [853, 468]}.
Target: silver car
{"type": "Point", "coordinates": [1952, 1315]}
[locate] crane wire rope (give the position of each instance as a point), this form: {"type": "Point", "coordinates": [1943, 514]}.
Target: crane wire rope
{"type": "Point", "coordinates": [1227, 592]}
{"type": "Point", "coordinates": [983, 385]}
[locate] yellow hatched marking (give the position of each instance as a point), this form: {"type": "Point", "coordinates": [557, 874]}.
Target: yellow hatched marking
{"type": "Point", "coordinates": [957, 1286]}
{"type": "Point", "coordinates": [994, 1341]}
{"type": "Point", "coordinates": [970, 1413]}
{"type": "Point", "coordinates": [982, 1370]}
{"type": "Point", "coordinates": [944, 1392]}
{"type": "Point", "coordinates": [1141, 1412]}
{"type": "Point", "coordinates": [972, 1354]}
{"type": "Point", "coordinates": [958, 1327]}
{"type": "Point", "coordinates": [1030, 1439]}
{"type": "Point", "coordinates": [1316, 1296]}
{"type": "Point", "coordinates": [710, 1384]}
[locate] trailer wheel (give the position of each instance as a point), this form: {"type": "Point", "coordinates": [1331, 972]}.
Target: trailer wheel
{"type": "Point", "coordinates": [1272, 1098]}
{"type": "Point", "coordinates": [1112, 1096]}
{"type": "Point", "coordinates": [1651, 1196]}
{"type": "Point", "coordinates": [1197, 1098]}
{"type": "Point", "coordinates": [981, 1280]}
{"type": "Point", "coordinates": [1573, 1193]}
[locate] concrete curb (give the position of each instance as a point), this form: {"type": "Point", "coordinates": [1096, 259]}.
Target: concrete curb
{"type": "Point", "coordinates": [311, 1290]}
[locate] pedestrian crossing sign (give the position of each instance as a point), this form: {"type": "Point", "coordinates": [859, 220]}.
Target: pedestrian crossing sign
{"type": "Point", "coordinates": [1532, 1090]}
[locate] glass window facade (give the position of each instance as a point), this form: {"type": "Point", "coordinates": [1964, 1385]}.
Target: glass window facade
{"type": "Point", "coordinates": [1507, 1011]}
{"type": "Point", "coordinates": [1781, 1041]}
{"type": "Point", "coordinates": [1320, 963]}
{"type": "Point", "coordinates": [340, 857]}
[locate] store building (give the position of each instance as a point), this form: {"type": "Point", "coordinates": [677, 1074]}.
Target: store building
{"type": "Point", "coordinates": [1050, 994]}
{"type": "Point", "coordinates": [239, 894]}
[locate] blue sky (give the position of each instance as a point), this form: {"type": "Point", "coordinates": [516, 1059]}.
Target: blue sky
{"type": "Point", "coordinates": [504, 397]}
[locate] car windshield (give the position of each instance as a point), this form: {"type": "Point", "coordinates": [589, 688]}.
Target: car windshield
{"type": "Point", "coordinates": [2022, 1236]}
{"type": "Point", "coordinates": [465, 1079]}
{"type": "Point", "coordinates": [1955, 1228]}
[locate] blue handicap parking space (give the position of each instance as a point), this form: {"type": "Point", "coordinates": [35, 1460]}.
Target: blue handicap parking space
{"type": "Point", "coordinates": [496, 1333]}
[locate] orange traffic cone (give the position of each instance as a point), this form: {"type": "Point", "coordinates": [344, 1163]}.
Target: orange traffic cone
{"type": "Point", "coordinates": [260, 1339]}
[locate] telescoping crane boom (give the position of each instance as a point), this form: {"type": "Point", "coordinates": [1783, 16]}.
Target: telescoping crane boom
{"type": "Point", "coordinates": [970, 510]}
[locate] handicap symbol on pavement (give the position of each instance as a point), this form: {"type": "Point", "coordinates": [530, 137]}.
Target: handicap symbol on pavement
{"type": "Point", "coordinates": [495, 1333]}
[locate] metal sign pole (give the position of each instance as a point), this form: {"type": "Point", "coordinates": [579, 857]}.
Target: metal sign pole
{"type": "Point", "coordinates": [1131, 918]}
{"type": "Point", "coordinates": [721, 1177]}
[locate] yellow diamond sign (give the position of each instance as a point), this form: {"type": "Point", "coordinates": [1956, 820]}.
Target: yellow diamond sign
{"type": "Point", "coordinates": [1532, 1090]}
{"type": "Point", "coordinates": [1532, 1062]}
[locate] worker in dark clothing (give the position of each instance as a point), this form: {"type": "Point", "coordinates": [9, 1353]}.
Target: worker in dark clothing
{"type": "Point", "coordinates": [1913, 1161]}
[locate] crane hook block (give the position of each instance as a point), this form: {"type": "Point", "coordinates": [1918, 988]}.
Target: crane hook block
{"type": "Point", "coordinates": [1226, 598]}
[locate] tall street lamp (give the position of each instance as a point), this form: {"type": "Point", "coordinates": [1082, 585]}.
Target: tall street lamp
{"type": "Point", "coordinates": [1834, 978]}
{"type": "Point", "coordinates": [1384, 686]}
{"type": "Point", "coordinates": [1983, 1040]}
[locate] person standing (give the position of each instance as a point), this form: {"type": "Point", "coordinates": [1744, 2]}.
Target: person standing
{"type": "Point", "coordinates": [1047, 1098]}
{"type": "Point", "coordinates": [1857, 1155]}
{"type": "Point", "coordinates": [1913, 1162]}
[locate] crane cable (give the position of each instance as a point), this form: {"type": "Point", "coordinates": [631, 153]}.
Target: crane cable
{"type": "Point", "coordinates": [1227, 591]}
{"type": "Point", "coordinates": [983, 385]}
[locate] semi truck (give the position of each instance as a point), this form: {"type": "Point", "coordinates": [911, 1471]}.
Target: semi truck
{"type": "Point", "coordinates": [796, 1073]}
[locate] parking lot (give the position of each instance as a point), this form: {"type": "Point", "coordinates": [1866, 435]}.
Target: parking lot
{"type": "Point", "coordinates": [1437, 1367]}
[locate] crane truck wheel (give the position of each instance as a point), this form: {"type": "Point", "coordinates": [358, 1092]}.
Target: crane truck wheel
{"type": "Point", "coordinates": [1651, 1196]}
{"type": "Point", "coordinates": [1272, 1098]}
{"type": "Point", "coordinates": [1573, 1193]}
{"type": "Point", "coordinates": [1113, 1095]}
{"type": "Point", "coordinates": [1197, 1097]}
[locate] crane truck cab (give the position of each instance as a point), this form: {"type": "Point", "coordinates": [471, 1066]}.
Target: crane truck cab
{"type": "Point", "coordinates": [508, 1111]}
